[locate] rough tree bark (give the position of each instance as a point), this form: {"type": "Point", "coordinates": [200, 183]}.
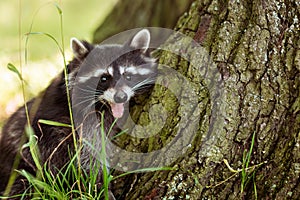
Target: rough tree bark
{"type": "Point", "coordinates": [255, 46]}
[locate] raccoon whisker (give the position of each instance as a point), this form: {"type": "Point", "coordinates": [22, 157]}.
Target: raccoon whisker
{"type": "Point", "coordinates": [89, 109]}
{"type": "Point", "coordinates": [84, 101]}
{"type": "Point", "coordinates": [92, 91]}
{"type": "Point", "coordinates": [139, 84]}
{"type": "Point", "coordinates": [147, 81]}
{"type": "Point", "coordinates": [92, 88]}
{"type": "Point", "coordinates": [142, 87]}
{"type": "Point", "coordinates": [88, 94]}
{"type": "Point", "coordinates": [77, 105]}
{"type": "Point", "coordinates": [93, 103]}
{"type": "Point", "coordinates": [91, 97]}
{"type": "Point", "coordinates": [95, 89]}
{"type": "Point", "coordinates": [87, 90]}
{"type": "Point", "coordinates": [144, 82]}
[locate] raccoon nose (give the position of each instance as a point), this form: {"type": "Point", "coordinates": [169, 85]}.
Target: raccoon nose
{"type": "Point", "coordinates": [120, 97]}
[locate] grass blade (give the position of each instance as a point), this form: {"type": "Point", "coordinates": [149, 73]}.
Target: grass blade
{"type": "Point", "coordinates": [53, 123]}
{"type": "Point", "coordinates": [13, 68]}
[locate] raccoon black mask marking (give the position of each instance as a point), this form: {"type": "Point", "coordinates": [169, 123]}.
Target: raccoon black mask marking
{"type": "Point", "coordinates": [102, 78]}
{"type": "Point", "coordinates": [117, 72]}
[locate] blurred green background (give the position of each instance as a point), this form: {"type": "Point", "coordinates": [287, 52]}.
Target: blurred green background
{"type": "Point", "coordinates": [80, 19]}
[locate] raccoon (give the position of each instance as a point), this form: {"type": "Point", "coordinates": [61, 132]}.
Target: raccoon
{"type": "Point", "coordinates": [102, 80]}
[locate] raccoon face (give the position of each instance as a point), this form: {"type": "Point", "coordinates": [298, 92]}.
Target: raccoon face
{"type": "Point", "coordinates": [117, 72]}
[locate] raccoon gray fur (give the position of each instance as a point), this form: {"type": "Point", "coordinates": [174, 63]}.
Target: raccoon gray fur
{"type": "Point", "coordinates": [105, 85]}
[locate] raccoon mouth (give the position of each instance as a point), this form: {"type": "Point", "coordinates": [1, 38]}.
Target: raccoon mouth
{"type": "Point", "coordinates": [117, 109]}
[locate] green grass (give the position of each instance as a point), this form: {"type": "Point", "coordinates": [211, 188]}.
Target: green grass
{"type": "Point", "coordinates": [247, 172]}
{"type": "Point", "coordinates": [71, 182]}
{"type": "Point", "coordinates": [45, 183]}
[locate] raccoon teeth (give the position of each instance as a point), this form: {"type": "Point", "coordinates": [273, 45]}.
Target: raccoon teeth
{"type": "Point", "coordinates": [117, 109]}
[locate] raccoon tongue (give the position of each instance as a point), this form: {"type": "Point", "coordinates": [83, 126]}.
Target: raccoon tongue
{"type": "Point", "coordinates": [117, 109]}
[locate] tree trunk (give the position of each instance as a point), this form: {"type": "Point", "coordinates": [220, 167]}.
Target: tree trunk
{"type": "Point", "coordinates": [256, 109]}
{"type": "Point", "coordinates": [128, 15]}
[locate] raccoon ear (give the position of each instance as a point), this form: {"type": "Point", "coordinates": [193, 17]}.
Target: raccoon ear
{"type": "Point", "coordinates": [78, 47]}
{"type": "Point", "coordinates": [141, 40]}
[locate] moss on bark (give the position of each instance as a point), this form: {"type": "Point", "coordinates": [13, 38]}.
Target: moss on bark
{"type": "Point", "coordinates": [255, 46]}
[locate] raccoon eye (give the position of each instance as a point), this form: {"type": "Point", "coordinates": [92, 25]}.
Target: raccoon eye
{"type": "Point", "coordinates": [128, 77]}
{"type": "Point", "coordinates": [104, 78]}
